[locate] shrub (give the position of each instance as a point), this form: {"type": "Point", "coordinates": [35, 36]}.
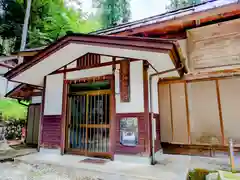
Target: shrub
{"type": "Point", "coordinates": [14, 129]}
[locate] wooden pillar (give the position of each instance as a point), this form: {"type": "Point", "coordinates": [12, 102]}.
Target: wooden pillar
{"type": "Point", "coordinates": [42, 114]}
{"type": "Point", "coordinates": [113, 112]}
{"type": "Point", "coordinates": [187, 112]}
{"type": "Point", "coordinates": [63, 119]}
{"type": "Point", "coordinates": [147, 118]}
{"type": "Point", "coordinates": [220, 112]}
{"type": "Point", "coordinates": [171, 111]}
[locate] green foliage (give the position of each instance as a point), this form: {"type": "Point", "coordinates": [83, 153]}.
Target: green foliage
{"type": "Point", "coordinates": [11, 21]}
{"type": "Point", "coordinates": [11, 109]}
{"type": "Point", "coordinates": [178, 4]}
{"type": "Point", "coordinates": [114, 12]}
{"type": "Point", "coordinates": [49, 20]}
{"type": "Point", "coordinates": [201, 174]}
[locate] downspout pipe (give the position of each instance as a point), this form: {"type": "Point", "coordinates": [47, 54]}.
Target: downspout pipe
{"type": "Point", "coordinates": [19, 101]}
{"type": "Point", "coordinates": [153, 159]}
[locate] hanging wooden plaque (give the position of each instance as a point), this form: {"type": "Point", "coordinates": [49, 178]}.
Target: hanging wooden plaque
{"type": "Point", "coordinates": [125, 81]}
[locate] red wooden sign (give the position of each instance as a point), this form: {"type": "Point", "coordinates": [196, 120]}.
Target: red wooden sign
{"type": "Point", "coordinates": [125, 81]}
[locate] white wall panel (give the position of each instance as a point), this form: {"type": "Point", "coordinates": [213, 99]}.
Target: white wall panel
{"type": "Point", "coordinates": [230, 102]}
{"type": "Point", "coordinates": [165, 113]}
{"type": "Point", "coordinates": [53, 95]}
{"type": "Point", "coordinates": [105, 59]}
{"type": "Point", "coordinates": [36, 99]}
{"type": "Point", "coordinates": [204, 114]}
{"type": "Point", "coordinates": [93, 72]}
{"type": "Point", "coordinates": [3, 86]}
{"type": "Point", "coordinates": [179, 115]}
{"type": "Point", "coordinates": [136, 103]}
{"type": "Point", "coordinates": [155, 107]}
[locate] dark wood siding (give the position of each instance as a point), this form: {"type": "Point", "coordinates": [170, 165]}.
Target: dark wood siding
{"type": "Point", "coordinates": [89, 60]}
{"type": "Point", "coordinates": [33, 123]}
{"type": "Point", "coordinates": [51, 131]}
{"type": "Point", "coordinates": [158, 138]}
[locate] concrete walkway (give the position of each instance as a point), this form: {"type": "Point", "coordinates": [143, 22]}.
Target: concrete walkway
{"type": "Point", "coordinates": [170, 167]}
{"type": "Point", "coordinates": [115, 169]}
{"type": "Point", "coordinates": [15, 153]}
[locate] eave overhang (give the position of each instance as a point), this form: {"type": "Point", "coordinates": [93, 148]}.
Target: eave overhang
{"type": "Point", "coordinates": [24, 92]}
{"type": "Point", "coordinates": [164, 46]}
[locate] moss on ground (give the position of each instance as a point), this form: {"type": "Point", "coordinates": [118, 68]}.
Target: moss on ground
{"type": "Point", "coordinates": [198, 174]}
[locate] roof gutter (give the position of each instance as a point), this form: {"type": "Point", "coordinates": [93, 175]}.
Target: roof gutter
{"type": "Point", "coordinates": [19, 101]}
{"type": "Point", "coordinates": [153, 125]}
{"type": "Point", "coordinates": [6, 65]}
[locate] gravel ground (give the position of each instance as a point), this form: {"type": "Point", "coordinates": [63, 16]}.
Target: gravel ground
{"type": "Point", "coordinates": [22, 171]}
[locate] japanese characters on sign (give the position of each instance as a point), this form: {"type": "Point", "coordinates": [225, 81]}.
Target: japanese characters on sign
{"type": "Point", "coordinates": [125, 81]}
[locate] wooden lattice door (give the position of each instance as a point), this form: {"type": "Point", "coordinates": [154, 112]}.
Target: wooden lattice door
{"type": "Point", "coordinates": [89, 123]}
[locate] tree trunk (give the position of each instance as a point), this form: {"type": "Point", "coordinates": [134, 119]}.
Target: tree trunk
{"type": "Point", "coordinates": [25, 28]}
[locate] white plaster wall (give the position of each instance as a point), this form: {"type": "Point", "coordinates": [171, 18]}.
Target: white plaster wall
{"type": "Point", "coordinates": [99, 71]}
{"type": "Point", "coordinates": [155, 106]}
{"type": "Point", "coordinates": [162, 63]}
{"type": "Point", "coordinates": [6, 86]}
{"type": "Point", "coordinates": [11, 85]}
{"type": "Point", "coordinates": [117, 80]}
{"type": "Point", "coordinates": [136, 103]}
{"type": "Point", "coordinates": [53, 95]}
{"type": "Point", "coordinates": [72, 65]}
{"type": "Point", "coordinates": [105, 59]}
{"type": "Point", "coordinates": [36, 99]}
{"type": "Point", "coordinates": [3, 70]}
{"type": "Point", "coordinates": [230, 103]}
{"type": "Point", "coordinates": [3, 86]}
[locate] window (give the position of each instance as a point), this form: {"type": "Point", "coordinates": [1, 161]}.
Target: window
{"type": "Point", "coordinates": [129, 131]}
